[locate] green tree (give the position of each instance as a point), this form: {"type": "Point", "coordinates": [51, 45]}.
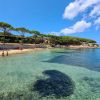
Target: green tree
{"type": "Point", "coordinates": [23, 31]}
{"type": "Point", "coordinates": [35, 35]}
{"type": "Point", "coordinates": [5, 28]}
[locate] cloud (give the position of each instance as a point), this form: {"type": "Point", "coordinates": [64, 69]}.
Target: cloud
{"type": "Point", "coordinates": [55, 33]}
{"type": "Point", "coordinates": [97, 21]}
{"type": "Point", "coordinates": [78, 27]}
{"type": "Point", "coordinates": [95, 11]}
{"type": "Point", "coordinates": [89, 11]}
{"type": "Point", "coordinates": [79, 6]}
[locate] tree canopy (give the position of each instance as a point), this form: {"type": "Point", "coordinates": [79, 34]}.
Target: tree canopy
{"type": "Point", "coordinates": [5, 26]}
{"type": "Point", "coordinates": [38, 37]}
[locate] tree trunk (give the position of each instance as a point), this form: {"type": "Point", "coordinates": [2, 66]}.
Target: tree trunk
{"type": "Point", "coordinates": [4, 43]}
{"type": "Point", "coordinates": [22, 41]}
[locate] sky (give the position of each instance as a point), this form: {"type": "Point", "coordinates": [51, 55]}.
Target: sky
{"type": "Point", "coordinates": [80, 18]}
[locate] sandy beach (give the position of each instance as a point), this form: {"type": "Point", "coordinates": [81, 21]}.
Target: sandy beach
{"type": "Point", "coordinates": [11, 52]}
{"type": "Point", "coordinates": [14, 48]}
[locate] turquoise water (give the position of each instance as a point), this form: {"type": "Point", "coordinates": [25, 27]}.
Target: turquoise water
{"type": "Point", "coordinates": [18, 73]}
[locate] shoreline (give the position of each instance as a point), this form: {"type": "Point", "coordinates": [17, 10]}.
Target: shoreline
{"type": "Point", "coordinates": [13, 52]}
{"type": "Point", "coordinates": [83, 47]}
{"type": "Point", "coordinates": [18, 51]}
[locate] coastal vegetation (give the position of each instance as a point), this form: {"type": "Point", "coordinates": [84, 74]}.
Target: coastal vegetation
{"type": "Point", "coordinates": [69, 40]}
{"type": "Point", "coordinates": [21, 35]}
{"type": "Point", "coordinates": [7, 35]}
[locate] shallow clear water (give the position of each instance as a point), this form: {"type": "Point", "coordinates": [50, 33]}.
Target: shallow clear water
{"type": "Point", "coordinates": [19, 72]}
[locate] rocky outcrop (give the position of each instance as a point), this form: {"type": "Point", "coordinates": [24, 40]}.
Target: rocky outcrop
{"type": "Point", "coordinates": [58, 84]}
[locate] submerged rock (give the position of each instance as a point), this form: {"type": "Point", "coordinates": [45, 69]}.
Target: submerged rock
{"type": "Point", "coordinates": [58, 84]}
